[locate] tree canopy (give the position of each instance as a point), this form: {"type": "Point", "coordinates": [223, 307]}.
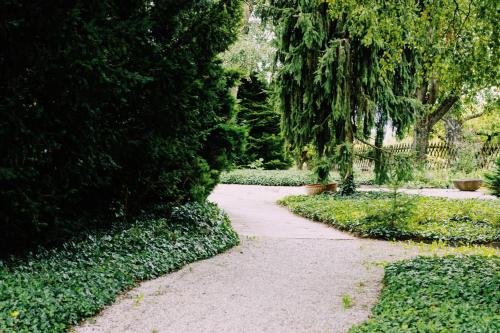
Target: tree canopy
{"type": "Point", "coordinates": [457, 42]}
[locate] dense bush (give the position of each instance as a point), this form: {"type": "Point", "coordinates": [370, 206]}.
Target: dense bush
{"type": "Point", "coordinates": [432, 294]}
{"type": "Point", "coordinates": [53, 289]}
{"type": "Point", "coordinates": [110, 106]}
{"type": "Point", "coordinates": [493, 179]}
{"type": "Point", "coordinates": [419, 218]}
{"type": "Point", "coordinates": [256, 113]}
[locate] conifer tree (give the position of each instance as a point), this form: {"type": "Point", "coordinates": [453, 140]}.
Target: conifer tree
{"type": "Point", "coordinates": [341, 62]}
{"type": "Point", "coordinates": [258, 115]}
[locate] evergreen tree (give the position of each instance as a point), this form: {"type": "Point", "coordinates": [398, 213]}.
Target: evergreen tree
{"type": "Point", "coordinates": [341, 62]}
{"type": "Point", "coordinates": [257, 114]}
{"type": "Point", "coordinates": [109, 107]}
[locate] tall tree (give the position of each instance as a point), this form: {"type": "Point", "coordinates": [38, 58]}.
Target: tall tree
{"type": "Point", "coordinates": [109, 107]}
{"type": "Point", "coordinates": [457, 42]}
{"type": "Point", "coordinates": [253, 51]}
{"type": "Point", "coordinates": [340, 62]}
{"type": "Point", "coordinates": [257, 114]}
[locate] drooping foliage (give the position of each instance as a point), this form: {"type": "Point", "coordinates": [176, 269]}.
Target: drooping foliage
{"type": "Point", "coordinates": [108, 107]}
{"type": "Point", "coordinates": [257, 114]}
{"type": "Point", "coordinates": [341, 62]}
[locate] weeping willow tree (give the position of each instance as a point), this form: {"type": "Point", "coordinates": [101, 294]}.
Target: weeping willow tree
{"type": "Point", "coordinates": [342, 65]}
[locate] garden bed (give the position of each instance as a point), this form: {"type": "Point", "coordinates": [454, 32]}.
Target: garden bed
{"type": "Point", "coordinates": [52, 290]}
{"type": "Point", "coordinates": [372, 214]}
{"type": "Point", "coordinates": [280, 177]}
{"type": "Point", "coordinates": [432, 294]}
{"type": "Point", "coordinates": [422, 179]}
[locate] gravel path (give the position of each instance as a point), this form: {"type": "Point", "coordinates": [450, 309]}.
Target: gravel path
{"type": "Point", "coordinates": [288, 275]}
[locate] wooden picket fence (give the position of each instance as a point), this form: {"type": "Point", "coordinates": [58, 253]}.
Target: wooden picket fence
{"type": "Point", "coordinates": [439, 155]}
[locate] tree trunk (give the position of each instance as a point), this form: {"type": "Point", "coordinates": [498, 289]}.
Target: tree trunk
{"type": "Point", "coordinates": [299, 163]}
{"type": "Point", "coordinates": [453, 131]}
{"type": "Point", "coordinates": [421, 139]}
{"type": "Point", "coordinates": [248, 6]}
{"type": "Point", "coordinates": [424, 125]}
{"type": "Point", "coordinates": [347, 185]}
{"type": "Point", "coordinates": [380, 174]}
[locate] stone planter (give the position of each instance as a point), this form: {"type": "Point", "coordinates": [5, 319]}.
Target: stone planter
{"type": "Point", "coordinates": [467, 184]}
{"type": "Point", "coordinates": [313, 189]}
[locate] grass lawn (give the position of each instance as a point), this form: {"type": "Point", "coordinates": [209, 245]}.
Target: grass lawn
{"type": "Point", "coordinates": [453, 294]}
{"type": "Point", "coordinates": [371, 214]}
{"type": "Point", "coordinates": [52, 290]}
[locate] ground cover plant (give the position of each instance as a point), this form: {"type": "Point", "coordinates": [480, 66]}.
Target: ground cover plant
{"type": "Point", "coordinates": [279, 177]}
{"type": "Point", "coordinates": [438, 294]}
{"type": "Point", "coordinates": [52, 289]}
{"type": "Point", "coordinates": [422, 178]}
{"type": "Point", "coordinates": [372, 214]}
{"type": "Point", "coordinates": [267, 177]}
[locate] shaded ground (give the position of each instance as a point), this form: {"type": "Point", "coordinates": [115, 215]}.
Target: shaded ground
{"type": "Point", "coordinates": [288, 275]}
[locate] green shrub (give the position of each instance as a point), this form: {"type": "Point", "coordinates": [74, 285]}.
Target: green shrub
{"type": "Point", "coordinates": [108, 107]}
{"type": "Point", "coordinates": [370, 214]}
{"type": "Point", "coordinates": [52, 289]}
{"type": "Point", "coordinates": [432, 294]}
{"type": "Point", "coordinates": [493, 179]}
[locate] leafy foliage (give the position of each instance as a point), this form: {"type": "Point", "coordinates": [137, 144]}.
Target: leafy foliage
{"type": "Point", "coordinates": [321, 168]}
{"type": "Point", "coordinates": [342, 62]}
{"type": "Point", "coordinates": [256, 113]}
{"type": "Point", "coordinates": [371, 214]}
{"type": "Point", "coordinates": [252, 52]}
{"type": "Point", "coordinates": [110, 107]}
{"type": "Point", "coordinates": [493, 179]}
{"type": "Point", "coordinates": [51, 290]}
{"type": "Point", "coordinates": [432, 294]}
{"type": "Point", "coordinates": [457, 44]}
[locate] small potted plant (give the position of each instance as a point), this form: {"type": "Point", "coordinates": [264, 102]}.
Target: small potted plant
{"type": "Point", "coordinates": [466, 163]}
{"type": "Point", "coordinates": [321, 170]}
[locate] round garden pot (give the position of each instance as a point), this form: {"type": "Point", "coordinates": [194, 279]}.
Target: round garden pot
{"type": "Point", "coordinates": [467, 184]}
{"type": "Point", "coordinates": [313, 189]}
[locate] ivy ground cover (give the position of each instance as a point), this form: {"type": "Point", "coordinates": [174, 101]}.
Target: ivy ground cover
{"type": "Point", "coordinates": [267, 177]}
{"type": "Point", "coordinates": [54, 289]}
{"type": "Point", "coordinates": [451, 294]}
{"type": "Point", "coordinates": [376, 215]}
{"type": "Point", "coordinates": [281, 177]}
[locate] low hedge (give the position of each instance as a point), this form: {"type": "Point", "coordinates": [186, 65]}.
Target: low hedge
{"type": "Point", "coordinates": [432, 294]}
{"type": "Point", "coordinates": [370, 214]}
{"type": "Point", "coordinates": [53, 289]}
{"type": "Point", "coordinates": [280, 177]}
